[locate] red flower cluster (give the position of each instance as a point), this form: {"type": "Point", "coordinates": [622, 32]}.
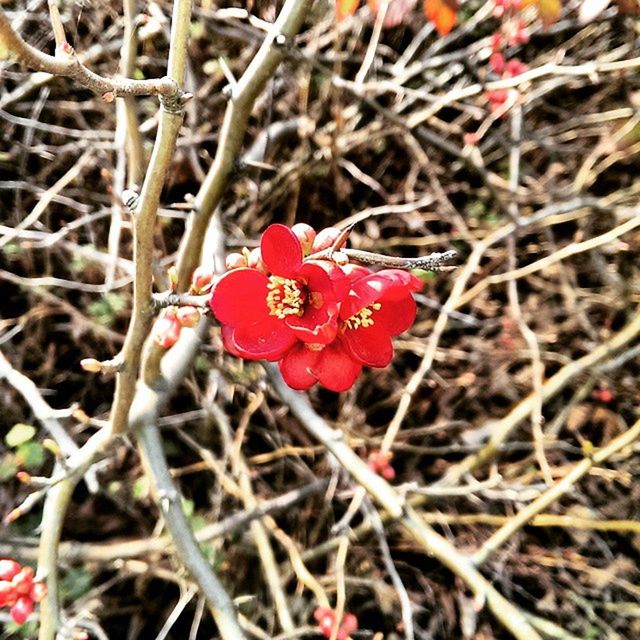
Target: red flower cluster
{"type": "Point", "coordinates": [321, 321]}
{"type": "Point", "coordinates": [380, 463]}
{"type": "Point", "coordinates": [512, 32]}
{"type": "Point", "coordinates": [326, 619]}
{"type": "Point", "coordinates": [18, 591]}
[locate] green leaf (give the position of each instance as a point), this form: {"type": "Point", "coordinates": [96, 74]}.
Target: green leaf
{"type": "Point", "coordinates": [19, 434]}
{"type": "Point", "coordinates": [30, 455]}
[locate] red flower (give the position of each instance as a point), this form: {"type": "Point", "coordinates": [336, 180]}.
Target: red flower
{"type": "Point", "coordinates": [264, 315]}
{"type": "Point", "coordinates": [378, 306]}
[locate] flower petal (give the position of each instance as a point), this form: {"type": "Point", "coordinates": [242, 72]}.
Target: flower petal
{"type": "Point", "coordinates": [335, 369]}
{"type": "Point", "coordinates": [266, 340]}
{"type": "Point", "coordinates": [397, 316]}
{"type": "Point", "coordinates": [281, 251]}
{"type": "Point", "coordinates": [369, 345]}
{"type": "Point", "coordinates": [388, 284]}
{"type": "Point", "coordinates": [240, 297]}
{"type": "Point", "coordinates": [318, 323]}
{"type": "Point", "coordinates": [296, 367]}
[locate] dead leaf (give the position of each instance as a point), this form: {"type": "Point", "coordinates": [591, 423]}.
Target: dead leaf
{"type": "Point", "coordinates": [346, 8]}
{"type": "Point", "coordinates": [443, 14]}
{"type": "Point", "coordinates": [550, 11]}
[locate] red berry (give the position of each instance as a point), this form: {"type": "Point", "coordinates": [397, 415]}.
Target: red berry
{"type": "Point", "coordinates": [21, 610]}
{"type": "Point", "coordinates": [8, 594]}
{"type": "Point", "coordinates": [23, 581]}
{"type": "Point", "coordinates": [8, 568]}
{"type": "Point", "coordinates": [388, 472]}
{"type": "Point", "coordinates": [38, 591]}
{"type": "Point", "coordinates": [497, 63]}
{"type": "Point", "coordinates": [496, 41]}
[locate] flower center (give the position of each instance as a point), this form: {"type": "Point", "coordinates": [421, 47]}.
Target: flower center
{"type": "Point", "coordinates": [363, 318]}
{"type": "Point", "coordinates": [285, 297]}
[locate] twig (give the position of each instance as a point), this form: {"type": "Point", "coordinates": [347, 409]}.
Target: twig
{"type": "Point", "coordinates": [242, 99]}
{"type": "Point", "coordinates": [68, 64]}
{"type": "Point", "coordinates": [434, 544]}
{"type": "Point", "coordinates": [550, 496]}
{"type": "Point", "coordinates": [145, 217]}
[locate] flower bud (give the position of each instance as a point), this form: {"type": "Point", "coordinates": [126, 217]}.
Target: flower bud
{"type": "Point", "coordinates": [23, 581]}
{"type": "Point", "coordinates": [325, 239]}
{"type": "Point", "coordinates": [172, 274]}
{"type": "Point", "coordinates": [201, 280]}
{"type": "Point", "coordinates": [188, 316]}
{"type": "Point", "coordinates": [166, 330]}
{"type": "Point", "coordinates": [8, 568]}
{"type": "Point", "coordinates": [91, 365]}
{"type": "Point", "coordinates": [255, 261]}
{"type": "Point", "coordinates": [306, 234]}
{"type": "Point", "coordinates": [21, 610]}
{"type": "Point", "coordinates": [235, 261]}
{"type": "Point", "coordinates": [8, 595]}
{"type": "Point", "coordinates": [38, 591]}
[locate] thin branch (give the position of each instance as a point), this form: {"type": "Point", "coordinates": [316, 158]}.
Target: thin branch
{"type": "Point", "coordinates": [68, 65]}
{"type": "Point", "coordinates": [382, 492]}
{"type": "Point", "coordinates": [242, 99]}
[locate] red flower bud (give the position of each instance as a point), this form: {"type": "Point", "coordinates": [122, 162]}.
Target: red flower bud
{"type": "Point", "coordinates": [21, 610]}
{"type": "Point", "coordinates": [497, 63]}
{"type": "Point", "coordinates": [8, 595]}
{"type": "Point", "coordinates": [349, 622]}
{"type": "Point", "coordinates": [8, 568]}
{"type": "Point", "coordinates": [23, 581]}
{"type": "Point", "coordinates": [201, 280]}
{"type": "Point", "coordinates": [235, 261]}
{"type": "Point", "coordinates": [306, 234]}
{"type": "Point", "coordinates": [325, 239]}
{"type": "Point", "coordinates": [188, 316]}
{"type": "Point", "coordinates": [166, 330]}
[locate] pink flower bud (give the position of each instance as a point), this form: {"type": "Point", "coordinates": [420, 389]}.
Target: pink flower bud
{"type": "Point", "coordinates": [21, 610]}
{"type": "Point", "coordinates": [349, 622]}
{"type": "Point", "coordinates": [38, 591]}
{"type": "Point", "coordinates": [8, 568]}
{"type": "Point", "coordinates": [497, 63]}
{"type": "Point", "coordinates": [201, 280]}
{"type": "Point", "coordinates": [188, 316]}
{"type": "Point", "coordinates": [166, 330]}
{"type": "Point", "coordinates": [306, 234]}
{"type": "Point", "coordinates": [325, 239]}
{"type": "Point", "coordinates": [235, 261]}
{"type": "Point", "coordinates": [255, 261]}
{"type": "Point", "coordinates": [23, 581]}
{"type": "Point", "coordinates": [8, 594]}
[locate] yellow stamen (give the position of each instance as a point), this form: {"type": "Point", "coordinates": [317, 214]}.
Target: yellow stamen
{"type": "Point", "coordinates": [285, 298]}
{"type": "Point", "coordinates": [363, 318]}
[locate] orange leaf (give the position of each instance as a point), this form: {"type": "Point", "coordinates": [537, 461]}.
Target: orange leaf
{"type": "Point", "coordinates": [346, 8]}
{"type": "Point", "coordinates": [443, 14]}
{"type": "Point", "coordinates": [549, 11]}
{"type": "Point", "coordinates": [631, 7]}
